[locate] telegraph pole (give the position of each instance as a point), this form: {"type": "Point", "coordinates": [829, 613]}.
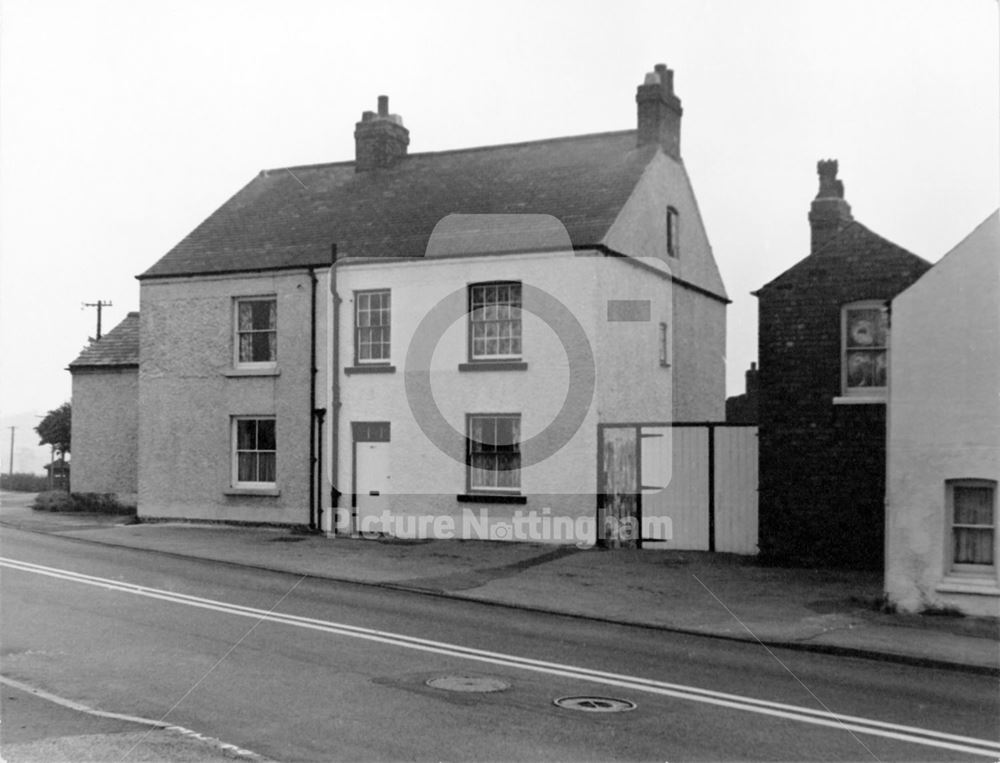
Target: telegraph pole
{"type": "Point", "coordinates": [11, 464]}
{"type": "Point", "coordinates": [98, 304]}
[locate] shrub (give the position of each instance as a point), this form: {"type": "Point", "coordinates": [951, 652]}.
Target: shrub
{"type": "Point", "coordinates": [24, 482]}
{"type": "Point", "coordinates": [100, 503]}
{"type": "Point", "coordinates": [54, 500]}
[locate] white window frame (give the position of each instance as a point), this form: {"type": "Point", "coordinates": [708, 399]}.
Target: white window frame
{"type": "Point", "coordinates": [514, 319]}
{"type": "Point", "coordinates": [237, 333]}
{"type": "Point", "coordinates": [862, 394]}
{"type": "Point", "coordinates": [471, 451]}
{"type": "Point", "coordinates": [968, 569]}
{"type": "Point", "coordinates": [673, 232]}
{"type": "Point", "coordinates": [358, 328]}
{"type": "Point", "coordinates": [235, 454]}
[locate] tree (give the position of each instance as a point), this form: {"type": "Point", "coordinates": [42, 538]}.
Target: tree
{"type": "Point", "coordinates": [54, 429]}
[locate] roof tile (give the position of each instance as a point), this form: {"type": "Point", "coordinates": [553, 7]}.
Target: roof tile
{"type": "Point", "coordinates": [290, 217]}
{"type": "Point", "coordinates": [119, 347]}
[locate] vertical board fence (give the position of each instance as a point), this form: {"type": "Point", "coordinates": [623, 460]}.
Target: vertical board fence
{"type": "Point", "coordinates": [698, 486]}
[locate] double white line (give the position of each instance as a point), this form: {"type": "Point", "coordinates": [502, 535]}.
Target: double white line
{"type": "Point", "coordinates": [850, 723]}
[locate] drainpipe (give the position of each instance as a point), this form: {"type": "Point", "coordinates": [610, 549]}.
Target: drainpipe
{"type": "Point", "coordinates": [335, 395]}
{"type": "Point", "coordinates": [320, 414]}
{"type": "Point", "coordinates": [312, 399]}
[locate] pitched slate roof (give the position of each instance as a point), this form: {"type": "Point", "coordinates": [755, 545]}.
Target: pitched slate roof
{"type": "Point", "coordinates": [856, 241]}
{"type": "Point", "coordinates": [118, 348]}
{"type": "Point", "coordinates": [290, 217]}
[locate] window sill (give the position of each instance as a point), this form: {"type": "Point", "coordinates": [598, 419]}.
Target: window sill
{"type": "Point", "coordinates": [261, 491]}
{"type": "Point", "coordinates": [372, 369]}
{"type": "Point", "coordinates": [858, 400]}
{"type": "Point", "coordinates": [494, 365]}
{"type": "Point", "coordinates": [982, 586]}
{"type": "Point", "coordinates": [491, 498]}
{"type": "Point", "coordinates": [236, 372]}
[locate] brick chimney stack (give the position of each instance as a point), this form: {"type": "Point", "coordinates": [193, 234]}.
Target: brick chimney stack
{"type": "Point", "coordinates": [380, 140]}
{"type": "Point", "coordinates": [829, 214]}
{"type": "Point", "coordinates": [659, 111]}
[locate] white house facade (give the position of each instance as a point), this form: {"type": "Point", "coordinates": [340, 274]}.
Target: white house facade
{"type": "Point", "coordinates": [407, 343]}
{"type": "Point", "coordinates": [943, 457]}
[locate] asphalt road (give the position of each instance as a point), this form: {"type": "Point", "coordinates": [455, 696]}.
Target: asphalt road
{"type": "Point", "coordinates": [294, 668]}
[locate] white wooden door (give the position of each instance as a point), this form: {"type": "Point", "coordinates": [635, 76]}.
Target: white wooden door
{"type": "Point", "coordinates": [373, 485]}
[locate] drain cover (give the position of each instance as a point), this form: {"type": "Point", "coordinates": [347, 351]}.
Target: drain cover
{"type": "Point", "coordinates": [595, 704]}
{"type": "Point", "coordinates": [481, 684]}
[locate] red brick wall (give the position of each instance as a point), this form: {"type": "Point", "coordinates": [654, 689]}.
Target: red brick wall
{"type": "Point", "coordinates": [822, 466]}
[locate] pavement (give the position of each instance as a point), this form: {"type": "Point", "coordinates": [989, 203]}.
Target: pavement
{"type": "Point", "coordinates": [713, 595]}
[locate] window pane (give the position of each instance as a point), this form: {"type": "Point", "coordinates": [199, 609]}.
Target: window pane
{"type": "Point", "coordinates": [865, 327]}
{"type": "Point", "coordinates": [265, 435]}
{"type": "Point", "coordinates": [265, 466]}
{"type": "Point", "coordinates": [247, 467]}
{"type": "Point", "coordinates": [973, 505]}
{"type": "Point", "coordinates": [973, 546]}
{"type": "Point", "coordinates": [246, 316]}
{"type": "Point", "coordinates": [246, 435]}
{"type": "Point", "coordinates": [261, 346]}
{"type": "Point", "coordinates": [866, 368]}
{"type": "Point", "coordinates": [477, 432]}
{"type": "Point", "coordinates": [505, 431]}
{"type": "Point", "coordinates": [246, 348]}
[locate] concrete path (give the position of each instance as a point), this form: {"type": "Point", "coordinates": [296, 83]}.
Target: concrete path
{"type": "Point", "coordinates": [718, 595]}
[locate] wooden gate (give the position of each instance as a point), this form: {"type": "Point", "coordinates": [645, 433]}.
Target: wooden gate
{"type": "Point", "coordinates": [686, 486]}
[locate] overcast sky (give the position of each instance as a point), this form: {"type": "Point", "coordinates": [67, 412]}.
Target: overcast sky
{"type": "Point", "coordinates": [124, 124]}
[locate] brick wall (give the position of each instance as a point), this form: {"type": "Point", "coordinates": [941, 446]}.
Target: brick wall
{"type": "Point", "coordinates": [822, 466]}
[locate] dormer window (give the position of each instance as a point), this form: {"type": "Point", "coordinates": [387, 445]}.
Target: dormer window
{"type": "Point", "coordinates": [673, 233]}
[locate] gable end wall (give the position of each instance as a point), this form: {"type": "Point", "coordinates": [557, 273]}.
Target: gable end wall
{"type": "Point", "coordinates": [822, 466]}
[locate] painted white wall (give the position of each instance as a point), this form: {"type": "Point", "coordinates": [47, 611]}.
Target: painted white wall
{"type": "Point", "coordinates": [944, 420]}
{"type": "Point", "coordinates": [698, 323]}
{"type": "Point", "coordinates": [630, 384]}
{"type": "Point", "coordinates": [188, 394]}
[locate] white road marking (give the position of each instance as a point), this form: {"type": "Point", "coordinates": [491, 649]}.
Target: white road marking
{"type": "Point", "coordinates": [225, 746]}
{"type": "Point", "coordinates": [912, 734]}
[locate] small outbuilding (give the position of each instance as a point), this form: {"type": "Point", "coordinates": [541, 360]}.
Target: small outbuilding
{"type": "Point", "coordinates": [106, 415]}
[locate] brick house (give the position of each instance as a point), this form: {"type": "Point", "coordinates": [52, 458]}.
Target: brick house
{"type": "Point", "coordinates": [824, 355]}
{"type": "Point", "coordinates": [277, 337]}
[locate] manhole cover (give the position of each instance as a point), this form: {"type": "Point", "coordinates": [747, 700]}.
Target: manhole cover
{"type": "Point", "coordinates": [482, 684]}
{"type": "Point", "coordinates": [595, 704]}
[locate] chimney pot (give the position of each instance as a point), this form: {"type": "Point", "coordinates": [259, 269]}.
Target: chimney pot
{"type": "Point", "coordinates": [380, 140]}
